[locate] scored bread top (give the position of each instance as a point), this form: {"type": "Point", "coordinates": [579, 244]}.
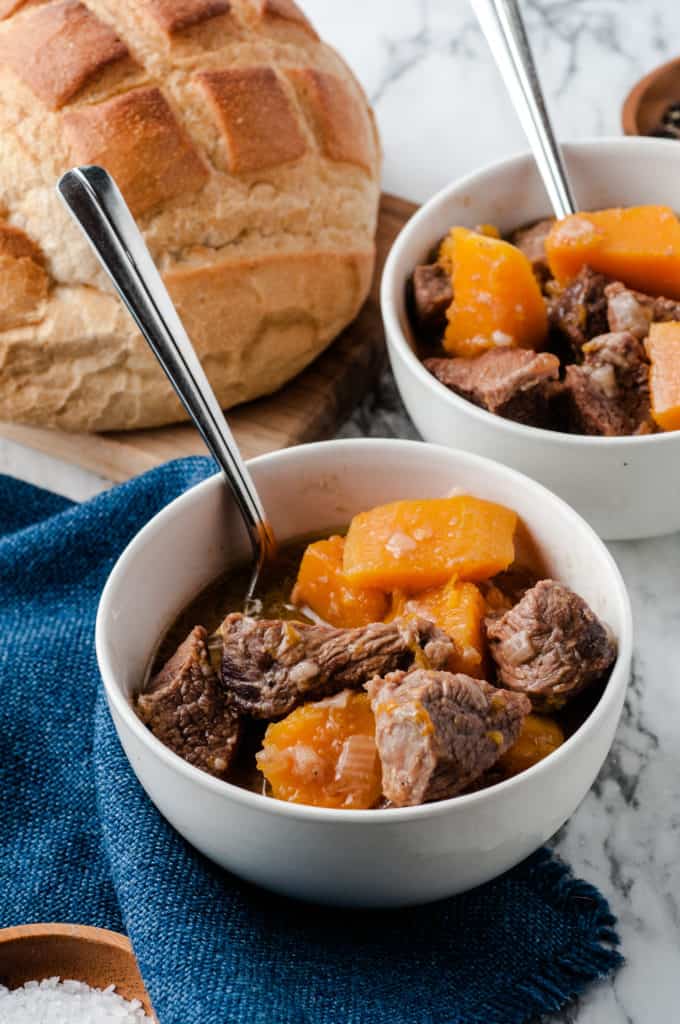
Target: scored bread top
{"type": "Point", "coordinates": [187, 103]}
{"type": "Point", "coordinates": [178, 15]}
{"type": "Point", "coordinates": [137, 137]}
{"type": "Point", "coordinates": [58, 48]}
{"type": "Point", "coordinates": [259, 124]}
{"type": "Point", "coordinates": [343, 132]}
{"type": "Point", "coordinates": [238, 138]}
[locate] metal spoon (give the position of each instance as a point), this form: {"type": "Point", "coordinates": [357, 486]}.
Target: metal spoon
{"type": "Point", "coordinates": [94, 201]}
{"type": "Point", "coordinates": [502, 24]}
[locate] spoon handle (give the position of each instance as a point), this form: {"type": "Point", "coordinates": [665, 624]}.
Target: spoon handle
{"type": "Point", "coordinates": [501, 22]}
{"type": "Point", "coordinates": [92, 197]}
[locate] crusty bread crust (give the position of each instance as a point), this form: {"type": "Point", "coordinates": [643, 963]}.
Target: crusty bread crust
{"type": "Point", "coordinates": [267, 249]}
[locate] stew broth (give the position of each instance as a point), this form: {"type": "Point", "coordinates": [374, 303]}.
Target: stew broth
{"type": "Point", "coordinates": [226, 594]}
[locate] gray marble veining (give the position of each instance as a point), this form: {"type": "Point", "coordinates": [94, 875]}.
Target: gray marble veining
{"type": "Point", "coordinates": [442, 112]}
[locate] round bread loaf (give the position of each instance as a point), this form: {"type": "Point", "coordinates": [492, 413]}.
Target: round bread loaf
{"type": "Point", "coordinates": [248, 154]}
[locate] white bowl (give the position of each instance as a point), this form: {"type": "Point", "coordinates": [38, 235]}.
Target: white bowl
{"type": "Point", "coordinates": [356, 858]}
{"type": "Point", "coordinates": [625, 487]}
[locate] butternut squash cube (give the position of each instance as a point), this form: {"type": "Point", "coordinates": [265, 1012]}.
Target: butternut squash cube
{"type": "Point", "coordinates": [458, 609]}
{"type": "Point", "coordinates": [538, 737]}
{"type": "Point", "coordinates": [414, 545]}
{"type": "Point", "coordinates": [446, 246]}
{"type": "Point", "coordinates": [663, 349]}
{"type": "Point", "coordinates": [497, 301]}
{"type": "Point", "coordinates": [488, 229]}
{"type": "Point", "coordinates": [323, 586]}
{"type": "Point", "coordinates": [324, 754]}
{"type": "Point", "coordinates": [639, 245]}
{"type": "Point", "coordinates": [445, 254]}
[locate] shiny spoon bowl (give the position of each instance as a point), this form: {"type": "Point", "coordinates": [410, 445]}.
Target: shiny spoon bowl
{"type": "Point", "coordinates": [95, 202]}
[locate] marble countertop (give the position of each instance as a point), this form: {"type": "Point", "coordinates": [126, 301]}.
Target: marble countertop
{"type": "Point", "coordinates": [442, 111]}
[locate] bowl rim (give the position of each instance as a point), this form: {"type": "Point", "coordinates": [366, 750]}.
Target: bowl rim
{"type": "Point", "coordinates": [633, 101]}
{"type": "Point", "coordinates": [397, 342]}
{"type": "Point", "coordinates": [616, 685]}
{"type": "Point", "coordinates": [87, 935]}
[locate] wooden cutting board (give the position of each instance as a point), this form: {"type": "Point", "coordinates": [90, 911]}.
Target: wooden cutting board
{"type": "Point", "coordinates": [309, 408]}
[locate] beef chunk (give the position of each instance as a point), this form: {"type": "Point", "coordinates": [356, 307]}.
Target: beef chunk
{"type": "Point", "coordinates": [437, 732]}
{"type": "Point", "coordinates": [432, 296]}
{"type": "Point", "coordinates": [627, 310]}
{"type": "Point", "coordinates": [550, 645]}
{"type": "Point", "coordinates": [271, 666]}
{"type": "Point", "coordinates": [632, 311]}
{"type": "Point", "coordinates": [578, 312]}
{"type": "Point", "coordinates": [516, 383]}
{"type": "Point", "coordinates": [609, 393]}
{"type": "Point", "coordinates": [663, 309]}
{"type": "Point", "coordinates": [185, 708]}
{"type": "Point", "coordinates": [531, 241]}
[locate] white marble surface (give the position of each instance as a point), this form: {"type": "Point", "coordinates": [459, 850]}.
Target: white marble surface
{"type": "Point", "coordinates": [442, 111]}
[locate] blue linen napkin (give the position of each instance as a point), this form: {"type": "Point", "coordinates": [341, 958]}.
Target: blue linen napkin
{"type": "Point", "coordinates": [80, 842]}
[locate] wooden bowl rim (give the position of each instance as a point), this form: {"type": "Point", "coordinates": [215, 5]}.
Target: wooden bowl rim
{"type": "Point", "coordinates": [631, 104]}
{"type": "Point", "coordinates": [84, 933]}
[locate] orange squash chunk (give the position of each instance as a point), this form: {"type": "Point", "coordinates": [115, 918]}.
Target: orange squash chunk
{"type": "Point", "coordinates": [639, 245]}
{"type": "Point", "coordinates": [446, 246]}
{"type": "Point", "coordinates": [497, 300]}
{"type": "Point", "coordinates": [538, 737]}
{"type": "Point", "coordinates": [324, 754]}
{"type": "Point", "coordinates": [458, 609]}
{"type": "Point", "coordinates": [663, 349]}
{"type": "Point", "coordinates": [414, 545]}
{"type": "Point", "coordinates": [445, 253]}
{"type": "Point", "coordinates": [323, 587]}
{"type": "Point", "coordinates": [488, 229]}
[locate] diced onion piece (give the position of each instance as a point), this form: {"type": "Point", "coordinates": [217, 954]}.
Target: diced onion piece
{"type": "Point", "coordinates": [357, 761]}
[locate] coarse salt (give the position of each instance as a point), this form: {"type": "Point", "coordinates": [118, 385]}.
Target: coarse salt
{"type": "Point", "coordinates": [575, 229]}
{"type": "Point", "coordinates": [400, 543]}
{"type": "Point", "coordinates": [52, 1001]}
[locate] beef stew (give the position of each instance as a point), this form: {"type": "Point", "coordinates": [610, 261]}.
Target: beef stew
{"type": "Point", "coordinates": [554, 326]}
{"type": "Point", "coordinates": [474, 667]}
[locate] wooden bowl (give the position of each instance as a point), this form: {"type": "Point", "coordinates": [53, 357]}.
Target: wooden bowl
{"type": "Point", "coordinates": [647, 101]}
{"type": "Point", "coordinates": [93, 955]}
